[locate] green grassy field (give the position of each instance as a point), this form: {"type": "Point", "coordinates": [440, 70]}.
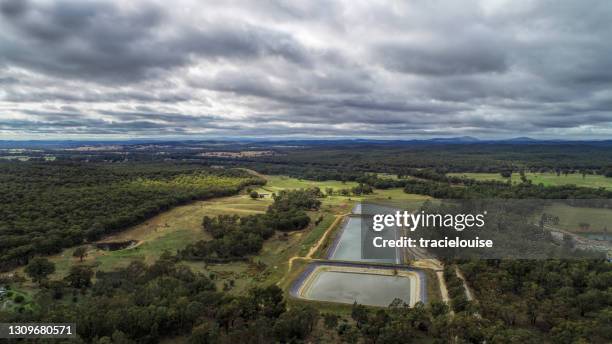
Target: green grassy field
{"type": "Point", "coordinates": [171, 230]}
{"type": "Point", "coordinates": [277, 183]}
{"type": "Point", "coordinates": [315, 234]}
{"type": "Point", "coordinates": [16, 300]}
{"type": "Point", "coordinates": [548, 179]}
{"type": "Point", "coordinates": [570, 218]}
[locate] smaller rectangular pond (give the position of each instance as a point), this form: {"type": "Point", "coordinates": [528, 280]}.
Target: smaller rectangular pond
{"type": "Point", "coordinates": [367, 285]}
{"type": "Point", "coordinates": [366, 289]}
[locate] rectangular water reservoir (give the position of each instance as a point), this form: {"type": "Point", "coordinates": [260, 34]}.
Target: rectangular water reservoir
{"type": "Point", "coordinates": [348, 246]}
{"type": "Point", "coordinates": [366, 289]}
{"type": "Point", "coordinates": [367, 285]}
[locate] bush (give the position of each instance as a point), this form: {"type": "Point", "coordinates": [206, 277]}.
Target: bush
{"type": "Point", "coordinates": [296, 323]}
{"type": "Point", "coordinates": [330, 320]}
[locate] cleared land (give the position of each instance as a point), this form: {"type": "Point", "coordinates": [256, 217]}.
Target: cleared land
{"type": "Point", "coordinates": [573, 219]}
{"type": "Point", "coordinates": [277, 183]}
{"type": "Point", "coordinates": [169, 231]}
{"type": "Point", "coordinates": [548, 179]}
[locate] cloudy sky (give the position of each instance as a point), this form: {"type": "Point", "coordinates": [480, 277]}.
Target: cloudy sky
{"type": "Point", "coordinates": [395, 69]}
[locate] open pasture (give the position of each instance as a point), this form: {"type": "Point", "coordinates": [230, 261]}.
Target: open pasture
{"type": "Point", "coordinates": [548, 179]}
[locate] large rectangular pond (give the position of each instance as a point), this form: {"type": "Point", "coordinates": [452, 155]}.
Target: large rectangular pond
{"type": "Point", "coordinates": [348, 246]}
{"type": "Point", "coordinates": [364, 288]}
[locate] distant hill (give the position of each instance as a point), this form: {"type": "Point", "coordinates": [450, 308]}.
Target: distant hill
{"type": "Point", "coordinates": [521, 139]}
{"type": "Point", "coordinates": [238, 143]}
{"type": "Point", "coordinates": [460, 139]}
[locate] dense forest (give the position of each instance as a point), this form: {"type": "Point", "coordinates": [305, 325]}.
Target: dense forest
{"type": "Point", "coordinates": [45, 207]}
{"type": "Point", "coordinates": [318, 160]}
{"type": "Point", "coordinates": [562, 301]}
{"type": "Point", "coordinates": [343, 160]}
{"type": "Point", "coordinates": [143, 304]}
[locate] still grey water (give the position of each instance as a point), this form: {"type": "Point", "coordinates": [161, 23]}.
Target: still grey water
{"type": "Point", "coordinates": [366, 289]}
{"type": "Point", "coordinates": [349, 247]}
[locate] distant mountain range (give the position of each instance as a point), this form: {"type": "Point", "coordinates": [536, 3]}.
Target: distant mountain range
{"type": "Point", "coordinates": [59, 144]}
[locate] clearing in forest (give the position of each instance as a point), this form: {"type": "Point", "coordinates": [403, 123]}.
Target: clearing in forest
{"type": "Point", "coordinates": [548, 179]}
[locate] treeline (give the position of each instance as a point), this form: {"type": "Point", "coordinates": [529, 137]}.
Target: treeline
{"type": "Point", "coordinates": [564, 301]}
{"type": "Point", "coordinates": [365, 178]}
{"type": "Point", "coordinates": [335, 160]}
{"type": "Point", "coordinates": [399, 324]}
{"type": "Point", "coordinates": [469, 188]}
{"type": "Point", "coordinates": [311, 171]}
{"type": "Point", "coordinates": [235, 238]}
{"type": "Point", "coordinates": [456, 290]}
{"type": "Point", "coordinates": [145, 304]}
{"type": "Point", "coordinates": [45, 207]}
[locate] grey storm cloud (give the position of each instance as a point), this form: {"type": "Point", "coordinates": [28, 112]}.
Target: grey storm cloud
{"type": "Point", "coordinates": [99, 40]}
{"type": "Point", "coordinates": [314, 68]}
{"type": "Point", "coordinates": [443, 56]}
